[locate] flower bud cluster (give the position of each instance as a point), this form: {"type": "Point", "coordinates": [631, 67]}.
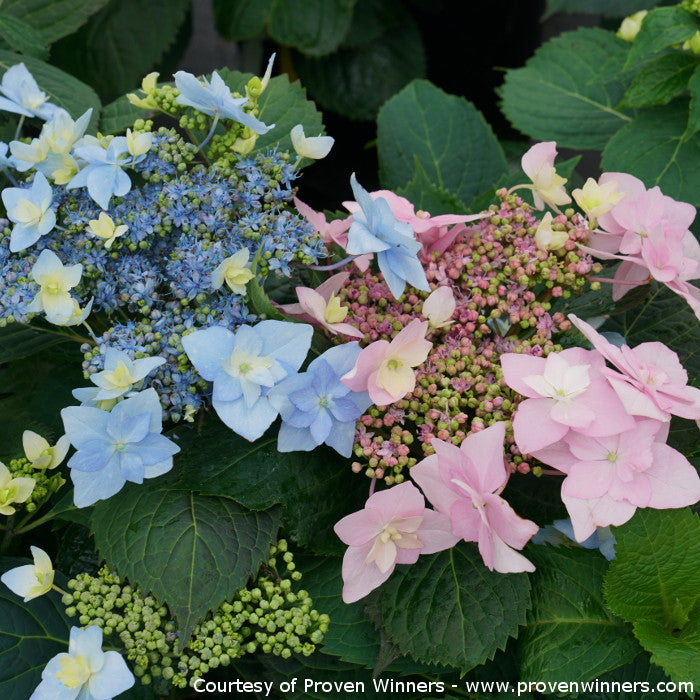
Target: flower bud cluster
{"type": "Point", "coordinates": [46, 483]}
{"type": "Point", "coordinates": [271, 616]}
{"type": "Point", "coordinates": [505, 289]}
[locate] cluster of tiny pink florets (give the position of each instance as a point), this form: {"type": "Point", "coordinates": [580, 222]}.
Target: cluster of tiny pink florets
{"type": "Point", "coordinates": [502, 283]}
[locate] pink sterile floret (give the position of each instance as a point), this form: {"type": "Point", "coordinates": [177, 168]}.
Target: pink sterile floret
{"type": "Point", "coordinates": [320, 306]}
{"type": "Point", "coordinates": [566, 391]}
{"type": "Point", "coordinates": [393, 528]}
{"type": "Point", "coordinates": [653, 382]}
{"type": "Point", "coordinates": [385, 369]}
{"type": "Point", "coordinates": [609, 477]}
{"type": "Point", "coordinates": [464, 483]}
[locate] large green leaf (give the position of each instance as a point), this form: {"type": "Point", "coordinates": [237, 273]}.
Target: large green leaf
{"type": "Point", "coordinates": [382, 52]}
{"type": "Point", "coordinates": [241, 19]}
{"type": "Point", "coordinates": [18, 340]}
{"type": "Point", "coordinates": [694, 118]}
{"type": "Point", "coordinates": [427, 196]}
{"type": "Point", "coordinates": [653, 583]}
{"type": "Point", "coordinates": [121, 43]}
{"type": "Point", "coordinates": [661, 80]}
{"type": "Point", "coordinates": [660, 149]}
{"type": "Point", "coordinates": [63, 90]}
{"type": "Point", "coordinates": [556, 96]}
{"type": "Point", "coordinates": [53, 19]}
{"type": "Point", "coordinates": [216, 461]}
{"type": "Point", "coordinates": [446, 134]}
{"type": "Point", "coordinates": [30, 634]}
{"type": "Point", "coordinates": [570, 635]}
{"type": "Point", "coordinates": [120, 114]}
{"type": "Point", "coordinates": [283, 104]}
{"type": "Point", "coordinates": [21, 37]}
{"type": "Point", "coordinates": [662, 27]}
{"type": "Point", "coordinates": [315, 27]}
{"type": "Point", "coordinates": [449, 608]}
{"type": "Point", "coordinates": [191, 551]}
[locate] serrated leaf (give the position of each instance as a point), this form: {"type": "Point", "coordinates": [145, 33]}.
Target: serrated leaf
{"type": "Point", "coordinates": [283, 104]}
{"type": "Point", "coordinates": [370, 70]}
{"type": "Point", "coordinates": [118, 115]}
{"type": "Point", "coordinates": [638, 671]}
{"type": "Point", "coordinates": [659, 148]}
{"type": "Point", "coordinates": [216, 461]}
{"type": "Point", "coordinates": [662, 27]}
{"type": "Point", "coordinates": [446, 134]}
{"type": "Point", "coordinates": [18, 340]}
{"type": "Point", "coordinates": [426, 196]}
{"type": "Point", "coordinates": [618, 8]}
{"type": "Point", "coordinates": [449, 608]}
{"type": "Point", "coordinates": [661, 80]}
{"type": "Point", "coordinates": [53, 19]}
{"type": "Point", "coordinates": [694, 118]}
{"type": "Point", "coordinates": [22, 37]}
{"type": "Point", "coordinates": [191, 551]}
{"type": "Point", "coordinates": [63, 90]}
{"type": "Point", "coordinates": [241, 19]}
{"type": "Point", "coordinates": [121, 43]}
{"type": "Point", "coordinates": [569, 634]}
{"type": "Point", "coordinates": [677, 653]}
{"type": "Point", "coordinates": [656, 566]}
{"type": "Point", "coordinates": [314, 27]}
{"type": "Point", "coordinates": [30, 634]}
{"type": "Point", "coordinates": [555, 96]}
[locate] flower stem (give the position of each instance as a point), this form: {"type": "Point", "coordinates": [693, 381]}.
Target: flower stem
{"type": "Point", "coordinates": [371, 486]}
{"type": "Point", "coordinates": [334, 266]}
{"type": "Point", "coordinates": [610, 280]}
{"type": "Point", "coordinates": [60, 590]}
{"type": "Point", "coordinates": [210, 134]}
{"type": "Point", "coordinates": [20, 124]}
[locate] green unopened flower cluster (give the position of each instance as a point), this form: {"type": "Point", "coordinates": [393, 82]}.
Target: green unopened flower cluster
{"type": "Point", "coordinates": [47, 483]}
{"type": "Point", "coordinates": [270, 616]}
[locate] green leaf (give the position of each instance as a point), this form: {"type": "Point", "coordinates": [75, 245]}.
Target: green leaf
{"type": "Point", "coordinates": [555, 96]}
{"type": "Point", "coordinates": [449, 608]}
{"type": "Point", "coordinates": [657, 566]}
{"type": "Point", "coordinates": [22, 37]}
{"type": "Point", "coordinates": [661, 80]}
{"type": "Point", "coordinates": [660, 149]}
{"type": "Point", "coordinates": [120, 114]}
{"type": "Point", "coordinates": [216, 461]}
{"type": "Point", "coordinates": [694, 118]}
{"type": "Point", "coordinates": [653, 583]}
{"type": "Point", "coordinates": [121, 43]}
{"type": "Point", "coordinates": [241, 19]}
{"type": "Point", "coordinates": [30, 634]}
{"type": "Point", "coordinates": [18, 340]}
{"type": "Point", "coordinates": [372, 66]}
{"type": "Point", "coordinates": [283, 104]}
{"type": "Point", "coordinates": [53, 19]}
{"type": "Point", "coordinates": [677, 652]}
{"type": "Point", "coordinates": [618, 8]}
{"type": "Point", "coordinates": [446, 134]}
{"type": "Point", "coordinates": [191, 551]}
{"type": "Point", "coordinates": [638, 671]}
{"type": "Point", "coordinates": [570, 635]}
{"type": "Point", "coordinates": [63, 90]}
{"type": "Point", "coordinates": [315, 27]}
{"type": "Point", "coordinates": [662, 27]}
{"type": "Point", "coordinates": [426, 196]}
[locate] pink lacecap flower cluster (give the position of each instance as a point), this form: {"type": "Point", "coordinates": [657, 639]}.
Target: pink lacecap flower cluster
{"type": "Point", "coordinates": [605, 428]}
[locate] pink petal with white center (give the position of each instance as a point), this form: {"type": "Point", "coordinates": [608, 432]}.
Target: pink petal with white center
{"type": "Point", "coordinates": [485, 449]}
{"type": "Point", "coordinates": [410, 343]}
{"type": "Point", "coordinates": [673, 479]}
{"type": "Point", "coordinates": [557, 455]}
{"type": "Point", "coordinates": [610, 417]}
{"type": "Point", "coordinates": [574, 414]}
{"type": "Point", "coordinates": [435, 532]}
{"type": "Point", "coordinates": [427, 475]}
{"type": "Point", "coordinates": [636, 491]}
{"type": "Point", "coordinates": [360, 527]}
{"type": "Point", "coordinates": [516, 366]}
{"type": "Point", "coordinates": [534, 428]}
{"type": "Point", "coordinates": [401, 501]}
{"type": "Point", "coordinates": [466, 520]}
{"type": "Point", "coordinates": [538, 156]}
{"type": "Point", "coordinates": [367, 363]}
{"type": "Point", "coordinates": [360, 578]}
{"type": "Point", "coordinates": [604, 242]}
{"type": "Point", "coordinates": [588, 514]}
{"type": "Point", "coordinates": [408, 556]}
{"type": "Point", "coordinates": [588, 480]}
{"type": "Point", "coordinates": [629, 271]}
{"type": "Point", "coordinates": [498, 556]}
{"type": "Point", "coordinates": [586, 449]}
